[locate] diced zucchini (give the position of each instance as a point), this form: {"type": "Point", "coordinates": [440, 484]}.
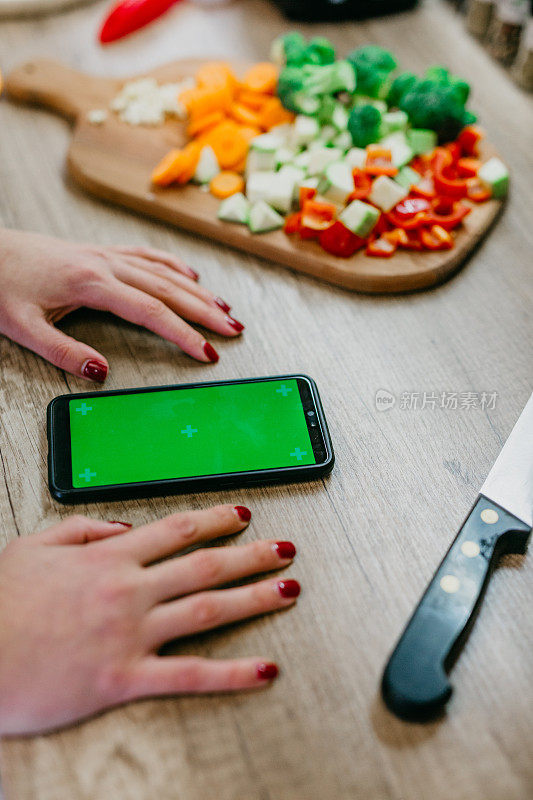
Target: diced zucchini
{"type": "Point", "coordinates": [339, 182]}
{"type": "Point", "coordinates": [282, 132]}
{"type": "Point", "coordinates": [422, 140]}
{"type": "Point", "coordinates": [407, 177]}
{"type": "Point", "coordinates": [264, 218]}
{"type": "Point", "coordinates": [258, 161]}
{"type": "Point", "coordinates": [302, 160]}
{"type": "Point", "coordinates": [343, 140]}
{"type": "Point", "coordinates": [395, 121]}
{"type": "Point", "coordinates": [339, 118]}
{"type": "Point", "coordinates": [304, 130]}
{"type": "Point", "coordinates": [293, 174]}
{"type": "Point", "coordinates": [265, 143]}
{"type": "Point", "coordinates": [385, 193]}
{"type": "Point", "coordinates": [327, 134]}
{"type": "Point", "coordinates": [310, 183]}
{"type": "Point", "coordinates": [207, 166]}
{"type": "Point", "coordinates": [495, 176]}
{"type": "Point", "coordinates": [356, 157]}
{"type": "Point", "coordinates": [401, 151]}
{"type": "Point", "coordinates": [359, 217]}
{"type": "Point", "coordinates": [321, 157]}
{"type": "Point", "coordinates": [272, 187]}
{"type": "Point", "coordinates": [234, 209]}
{"type": "Point", "coordinates": [284, 155]}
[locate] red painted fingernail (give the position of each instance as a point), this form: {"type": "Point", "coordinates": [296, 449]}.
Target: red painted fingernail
{"type": "Point", "coordinates": [222, 304]}
{"type": "Point", "coordinates": [238, 326]}
{"type": "Point", "coordinates": [94, 370]}
{"type": "Point", "coordinates": [194, 275]}
{"type": "Point", "coordinates": [267, 672]}
{"type": "Point", "coordinates": [210, 352]}
{"type": "Point", "coordinates": [285, 549]}
{"type": "Point", "coordinates": [244, 514]}
{"type": "Point", "coordinates": [289, 588]}
{"type": "Point", "coordinates": [118, 522]}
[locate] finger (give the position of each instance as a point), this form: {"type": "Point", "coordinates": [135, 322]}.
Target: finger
{"type": "Point", "coordinates": [181, 302]}
{"type": "Point", "coordinates": [164, 271]}
{"type": "Point", "coordinates": [152, 313]}
{"type": "Point", "coordinates": [161, 675]}
{"type": "Point", "coordinates": [161, 257]}
{"type": "Point", "coordinates": [167, 536]}
{"type": "Point", "coordinates": [214, 566]}
{"type": "Point", "coordinates": [81, 530]}
{"type": "Point", "coordinates": [207, 610]}
{"type": "Point", "coordinates": [61, 350]}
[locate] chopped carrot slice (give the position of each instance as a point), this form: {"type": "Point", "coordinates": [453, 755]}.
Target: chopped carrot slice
{"type": "Point", "coordinates": [240, 166]}
{"type": "Point", "coordinates": [228, 143]}
{"type": "Point", "coordinates": [262, 77]}
{"type": "Point", "coordinates": [253, 100]}
{"type": "Point", "coordinates": [205, 99]}
{"type": "Point", "coordinates": [216, 73]}
{"type": "Point", "coordinates": [169, 168]}
{"type": "Point", "coordinates": [201, 124]}
{"type": "Point", "coordinates": [249, 132]}
{"type": "Point", "coordinates": [273, 113]}
{"type": "Point", "coordinates": [244, 115]}
{"type": "Point", "coordinates": [225, 184]}
{"type": "Point", "coordinates": [190, 158]}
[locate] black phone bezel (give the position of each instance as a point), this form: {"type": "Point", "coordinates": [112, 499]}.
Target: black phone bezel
{"type": "Point", "coordinates": [59, 453]}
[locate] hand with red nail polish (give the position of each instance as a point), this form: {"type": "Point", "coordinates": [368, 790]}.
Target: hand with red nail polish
{"type": "Point", "coordinates": [109, 597]}
{"type": "Point", "coordinates": [43, 279]}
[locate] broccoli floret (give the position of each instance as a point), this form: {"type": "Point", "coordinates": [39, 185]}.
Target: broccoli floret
{"type": "Point", "coordinates": [373, 66]}
{"type": "Point", "coordinates": [437, 106]}
{"type": "Point", "coordinates": [319, 51]}
{"type": "Point", "coordinates": [292, 93]}
{"type": "Point", "coordinates": [400, 85]}
{"type": "Point", "coordinates": [289, 49]}
{"type": "Point", "coordinates": [328, 79]}
{"type": "Point", "coordinates": [442, 75]}
{"type": "Point", "coordinates": [364, 124]}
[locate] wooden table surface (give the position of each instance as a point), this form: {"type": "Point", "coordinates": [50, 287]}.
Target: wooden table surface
{"type": "Point", "coordinates": [370, 537]}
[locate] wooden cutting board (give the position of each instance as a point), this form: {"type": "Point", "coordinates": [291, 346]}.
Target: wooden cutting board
{"type": "Point", "coordinates": [114, 161]}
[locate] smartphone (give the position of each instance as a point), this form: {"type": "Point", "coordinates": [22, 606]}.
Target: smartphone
{"type": "Point", "coordinates": [170, 439]}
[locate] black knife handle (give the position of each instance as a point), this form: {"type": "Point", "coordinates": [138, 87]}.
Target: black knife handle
{"type": "Point", "coordinates": [415, 684]}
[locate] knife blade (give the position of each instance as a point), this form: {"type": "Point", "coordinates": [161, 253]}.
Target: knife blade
{"type": "Point", "coordinates": [415, 683]}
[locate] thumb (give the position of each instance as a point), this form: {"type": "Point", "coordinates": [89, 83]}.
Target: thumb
{"type": "Point", "coordinates": [63, 351]}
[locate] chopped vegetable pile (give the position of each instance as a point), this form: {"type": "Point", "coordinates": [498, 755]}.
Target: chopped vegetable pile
{"type": "Point", "coordinates": [349, 153]}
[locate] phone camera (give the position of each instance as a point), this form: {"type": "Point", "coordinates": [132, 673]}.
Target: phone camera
{"type": "Point", "coordinates": [310, 413]}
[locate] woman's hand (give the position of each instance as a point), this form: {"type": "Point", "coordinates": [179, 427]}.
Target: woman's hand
{"type": "Point", "coordinates": [85, 606]}
{"type": "Point", "coordinates": [42, 279]}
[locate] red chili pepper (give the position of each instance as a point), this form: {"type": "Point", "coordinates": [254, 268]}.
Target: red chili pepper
{"type": "Point", "coordinates": [340, 241]}
{"type": "Point", "coordinates": [128, 16]}
{"type": "Point", "coordinates": [362, 183]}
{"type": "Point", "coordinates": [468, 167]}
{"type": "Point", "coordinates": [436, 238]}
{"type": "Point", "coordinates": [379, 162]}
{"type": "Point", "coordinates": [381, 248]}
{"type": "Point", "coordinates": [446, 215]}
{"type": "Point", "coordinates": [292, 223]}
{"type": "Point", "coordinates": [469, 139]}
{"type": "Point", "coordinates": [306, 193]}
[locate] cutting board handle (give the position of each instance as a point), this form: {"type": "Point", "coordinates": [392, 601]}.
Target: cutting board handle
{"type": "Point", "coordinates": [55, 86]}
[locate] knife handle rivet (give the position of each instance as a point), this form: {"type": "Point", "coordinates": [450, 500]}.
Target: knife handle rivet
{"type": "Point", "coordinates": [489, 515]}
{"type": "Point", "coordinates": [470, 549]}
{"type": "Point", "coordinates": [449, 583]}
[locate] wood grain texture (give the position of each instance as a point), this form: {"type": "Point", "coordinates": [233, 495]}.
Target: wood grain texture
{"type": "Point", "coordinates": [370, 537]}
{"type": "Point", "coordinates": [114, 161]}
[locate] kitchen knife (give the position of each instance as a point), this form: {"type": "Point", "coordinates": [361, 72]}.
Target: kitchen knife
{"type": "Point", "coordinates": [415, 684]}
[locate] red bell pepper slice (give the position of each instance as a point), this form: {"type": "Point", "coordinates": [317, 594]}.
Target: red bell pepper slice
{"type": "Point", "coordinates": [379, 162]}
{"type": "Point", "coordinates": [316, 217]}
{"type": "Point", "coordinates": [477, 192]}
{"type": "Point", "coordinates": [469, 139]}
{"type": "Point", "coordinates": [413, 241]}
{"type": "Point", "coordinates": [443, 176]}
{"type": "Point", "coordinates": [454, 148]}
{"type": "Point", "coordinates": [340, 241]}
{"type": "Point", "coordinates": [410, 213]}
{"type": "Point", "coordinates": [436, 238]}
{"type": "Point", "coordinates": [362, 184]}
{"type": "Point", "coordinates": [292, 223]}
{"type": "Point", "coordinates": [381, 248]}
{"type": "Point", "coordinates": [447, 213]}
{"type": "Point", "coordinates": [397, 236]}
{"type": "Point", "coordinates": [468, 167]}
{"type": "Point", "coordinates": [306, 193]}
{"type": "Point", "coordinates": [424, 188]}
{"type": "Point", "coordinates": [382, 225]}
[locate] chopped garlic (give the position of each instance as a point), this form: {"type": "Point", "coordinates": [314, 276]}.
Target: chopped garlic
{"type": "Point", "coordinates": [145, 102]}
{"type": "Point", "coordinates": [97, 116]}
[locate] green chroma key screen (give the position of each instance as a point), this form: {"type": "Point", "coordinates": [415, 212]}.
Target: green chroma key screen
{"type": "Point", "coordinates": [180, 433]}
